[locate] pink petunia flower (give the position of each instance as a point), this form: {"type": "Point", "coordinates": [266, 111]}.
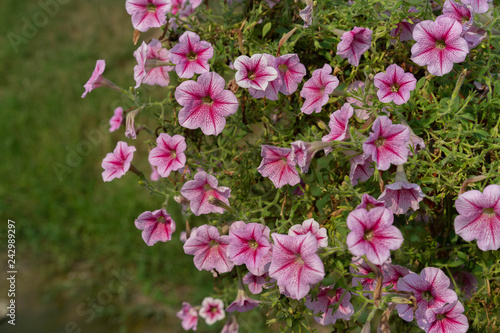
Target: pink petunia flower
{"type": "Point", "coordinates": [148, 13]}
{"type": "Point", "coordinates": [478, 6]}
{"type": "Point", "coordinates": [479, 217]}
{"type": "Point", "coordinates": [310, 226]}
{"type": "Point", "coordinates": [116, 120]}
{"type": "Point", "coordinates": [295, 264]}
{"type": "Point", "coordinates": [191, 55]}
{"type": "Point", "coordinates": [372, 234]}
{"type": "Point", "coordinates": [404, 28]}
{"type": "Point", "coordinates": [338, 125]}
{"type": "Point", "coordinates": [392, 274]}
{"type": "Point", "coordinates": [254, 72]}
{"type": "Point", "coordinates": [255, 283]}
{"type": "Point", "coordinates": [205, 103]}
{"type": "Point", "coordinates": [231, 326]}
{"type": "Point", "coordinates": [168, 155]}
{"type": "Point", "coordinates": [117, 163]}
{"type": "Point", "coordinates": [97, 80]}
{"type": "Point", "coordinates": [278, 164]}
{"type": "Point", "coordinates": [157, 226]}
{"type": "Point", "coordinates": [368, 202]}
{"type": "Point", "coordinates": [360, 268]}
{"type": "Point", "coordinates": [303, 152]}
{"type": "Point", "coordinates": [183, 13]}
{"type": "Point", "coordinates": [317, 89]}
{"type": "Point", "coordinates": [212, 310]}
{"type": "Point", "coordinates": [209, 249]}
{"type": "Point", "coordinates": [460, 13]}
{"type": "Point", "coordinates": [200, 189]}
{"type": "Point", "coordinates": [242, 303]}
{"type": "Point", "coordinates": [154, 176]}
{"type": "Point", "coordinates": [326, 299]}
{"type": "Point", "coordinates": [387, 143]}
{"type": "Point", "coordinates": [290, 71]}
{"type": "Point", "coordinates": [189, 317]}
{"type": "Point", "coordinates": [474, 36]}
{"type": "Point", "coordinates": [358, 88]}
{"type": "Point", "coordinates": [430, 288]}
{"type": "Point", "coordinates": [273, 88]}
{"type": "Point", "coordinates": [306, 14]}
{"type": "Point", "coordinates": [361, 168]}
{"type": "Point", "coordinates": [394, 85]}
{"type": "Point", "coordinates": [354, 43]}
{"type": "Point", "coordinates": [439, 45]}
{"type": "Point", "coordinates": [151, 60]}
{"type": "Point", "coordinates": [449, 318]}
{"type": "Point", "coordinates": [249, 245]}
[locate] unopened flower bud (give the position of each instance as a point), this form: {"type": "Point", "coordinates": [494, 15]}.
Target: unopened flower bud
{"type": "Point", "coordinates": [180, 199]}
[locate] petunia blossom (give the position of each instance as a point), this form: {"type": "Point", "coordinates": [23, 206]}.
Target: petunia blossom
{"type": "Point", "coordinates": [313, 227]}
{"type": "Point", "coordinates": [354, 43]}
{"type": "Point", "coordinates": [478, 6]}
{"type": "Point", "coordinates": [295, 264]}
{"type": "Point", "coordinates": [205, 103]}
{"type": "Point", "coordinates": [368, 202]}
{"type": "Point", "coordinates": [157, 226]}
{"type": "Point", "coordinates": [97, 80]}
{"type": "Point", "coordinates": [394, 85]}
{"type": "Point", "coordinates": [168, 155]}
{"type": "Point", "coordinates": [404, 28]}
{"type": "Point", "coordinates": [148, 13]}
{"type": "Point", "coordinates": [317, 89]}
{"type": "Point", "coordinates": [303, 152]}
{"type": "Point", "coordinates": [200, 189]}
{"type": "Point", "coordinates": [254, 72]}
{"type": "Point", "coordinates": [273, 88]}
{"type": "Point", "coordinates": [212, 310]}
{"type": "Point", "coordinates": [255, 283]}
{"type": "Point", "coordinates": [278, 164]}
{"type": "Point", "coordinates": [117, 163]}
{"type": "Point", "coordinates": [361, 168]}
{"type": "Point", "coordinates": [189, 316]}
{"type": "Point", "coordinates": [327, 298]}
{"type": "Point", "coordinates": [460, 13]}
{"type": "Point", "coordinates": [249, 245]}
{"type": "Point", "coordinates": [358, 88]}
{"type": "Point", "coordinates": [372, 234]}
{"type": "Point", "coordinates": [338, 125]}
{"type": "Point", "coordinates": [431, 290]}
{"type": "Point", "coordinates": [446, 319]}
{"type": "Point", "coordinates": [439, 45]}
{"type": "Point", "coordinates": [474, 36]}
{"type": "Point", "coordinates": [479, 217]}
{"type": "Point", "coordinates": [387, 143]}
{"type": "Point", "coordinates": [242, 303]}
{"type": "Point", "coordinates": [231, 326]}
{"type": "Point", "coordinates": [291, 72]}
{"type": "Point", "coordinates": [116, 120]}
{"type": "Point", "coordinates": [209, 249]}
{"type": "Point", "coordinates": [191, 55]}
{"type": "Point", "coordinates": [392, 274]}
{"type": "Point", "coordinates": [306, 14]}
{"type": "Point", "coordinates": [152, 64]}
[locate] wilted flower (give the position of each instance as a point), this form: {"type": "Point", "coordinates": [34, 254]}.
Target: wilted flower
{"type": "Point", "coordinates": [254, 72]}
{"type": "Point", "coordinates": [317, 89]}
{"type": "Point", "coordinates": [191, 55]}
{"type": "Point", "coordinates": [148, 13]}
{"type": "Point", "coordinates": [117, 163]}
{"type": "Point", "coordinates": [278, 164]}
{"type": "Point", "coordinates": [327, 298]}
{"type": "Point", "coordinates": [394, 85]}
{"type": "Point", "coordinates": [200, 189]}
{"type": "Point", "coordinates": [306, 14]}
{"type": "Point", "coordinates": [212, 309]}
{"type": "Point", "coordinates": [157, 226]}
{"type": "Point", "coordinates": [168, 155]}
{"type": "Point", "coordinates": [189, 316]}
{"type": "Point", "coordinates": [354, 43]}
{"type": "Point", "coordinates": [116, 120]}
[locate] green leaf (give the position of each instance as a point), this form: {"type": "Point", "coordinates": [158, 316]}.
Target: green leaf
{"type": "Point", "coordinates": [266, 28]}
{"type": "Point", "coordinates": [420, 84]}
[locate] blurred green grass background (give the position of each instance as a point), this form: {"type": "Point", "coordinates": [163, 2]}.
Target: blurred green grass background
{"type": "Point", "coordinates": [73, 231]}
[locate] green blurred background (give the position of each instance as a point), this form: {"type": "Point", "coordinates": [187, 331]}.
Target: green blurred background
{"type": "Point", "coordinates": [81, 262]}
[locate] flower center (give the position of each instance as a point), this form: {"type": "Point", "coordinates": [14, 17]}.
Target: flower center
{"type": "Point", "coordinates": [214, 310]}
{"type": "Point", "coordinates": [151, 7]}
{"type": "Point", "coordinates": [465, 19]}
{"type": "Point", "coordinates": [191, 55]}
{"type": "Point", "coordinates": [161, 219]}
{"type": "Point", "coordinates": [379, 142]}
{"type": "Point", "coordinates": [213, 243]}
{"type": "Point", "coordinates": [283, 68]}
{"type": "Point", "coordinates": [395, 88]}
{"type": "Point", "coordinates": [207, 187]}
{"type": "Point", "coordinates": [427, 296]}
{"type": "Point", "coordinates": [489, 211]}
{"type": "Point", "coordinates": [440, 44]}
{"type": "Point", "coordinates": [369, 206]}
{"type": "Point", "coordinates": [440, 316]}
{"type": "Point", "coordinates": [369, 234]}
{"type": "Point", "coordinates": [298, 259]}
{"type": "Point", "coordinates": [251, 75]}
{"type": "Point", "coordinates": [207, 100]}
{"type": "Point", "coordinates": [173, 154]}
{"type": "Point", "coordinates": [253, 244]}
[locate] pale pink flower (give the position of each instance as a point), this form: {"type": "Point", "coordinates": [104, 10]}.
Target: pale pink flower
{"type": "Point", "coordinates": [326, 299]}
{"type": "Point", "coordinates": [154, 176]}
{"type": "Point", "coordinates": [474, 36]}
{"type": "Point", "coordinates": [200, 189]}
{"type": "Point", "coordinates": [168, 155]}
{"type": "Point", "coordinates": [205, 103]}
{"type": "Point", "coordinates": [306, 14]}
{"type": "Point", "coordinates": [242, 303]}
{"type": "Point", "coordinates": [231, 326]}
{"type": "Point", "coordinates": [317, 89]}
{"type": "Point", "coordinates": [430, 288]}
{"type": "Point", "coordinates": [354, 43]}
{"type": "Point", "coordinates": [358, 88]}
{"type": "Point", "coordinates": [117, 163]}
{"type": "Point", "coordinates": [255, 283]}
{"type": "Point", "coordinates": [303, 152]}
{"type": "Point", "coordinates": [151, 60]}
{"type": "Point", "coordinates": [189, 316]}
{"type": "Point", "coordinates": [361, 168]}
{"type": "Point", "coordinates": [157, 226]}
{"type": "Point", "coordinates": [212, 310]}
{"type": "Point", "coordinates": [478, 6]}
{"type": "Point", "coordinates": [368, 202]}
{"type": "Point", "coordinates": [400, 196]}
{"type": "Point", "coordinates": [338, 125]}
{"type": "Point", "coordinates": [446, 319]}
{"type": "Point", "coordinates": [209, 249]}
{"type": "Point", "coordinates": [372, 234]}
{"type": "Point", "coordinates": [479, 217]}
{"type": "Point", "coordinates": [387, 143]}
{"type": "Point", "coordinates": [273, 88]}
{"type": "Point", "coordinates": [249, 245]}
{"type": "Point", "coordinates": [361, 268]}
{"type": "Point", "coordinates": [394, 85]}
{"type": "Point", "coordinates": [182, 13]}
{"type": "Point", "coordinates": [404, 28]}
{"type": "Point", "coordinates": [191, 55]}
{"type": "Point", "coordinates": [97, 80]}
{"type": "Point", "coordinates": [392, 274]}
{"type": "Point", "coordinates": [461, 13]}
{"type": "Point", "coordinates": [439, 45]}
{"type": "Point", "coordinates": [116, 120]}
{"type": "Point", "coordinates": [278, 164]}
{"type": "Point", "coordinates": [291, 72]}
{"type": "Point", "coordinates": [295, 264]}
{"type": "Point", "coordinates": [313, 227]}
{"type": "Point", "coordinates": [148, 13]}
{"type": "Point", "coordinates": [254, 72]}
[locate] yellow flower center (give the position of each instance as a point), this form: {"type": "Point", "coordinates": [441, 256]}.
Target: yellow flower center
{"type": "Point", "coordinates": [440, 44]}
{"type": "Point", "coordinates": [151, 7]}
{"type": "Point", "coordinates": [379, 142]}
{"type": "Point", "coordinates": [191, 56]}
{"type": "Point", "coordinates": [369, 235]}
